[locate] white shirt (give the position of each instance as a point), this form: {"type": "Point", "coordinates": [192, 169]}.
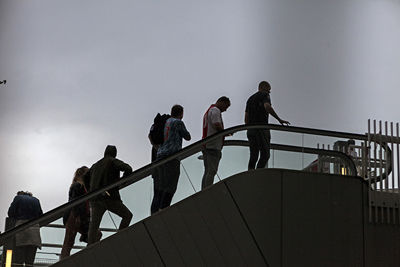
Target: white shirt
{"type": "Point", "coordinates": [214, 116]}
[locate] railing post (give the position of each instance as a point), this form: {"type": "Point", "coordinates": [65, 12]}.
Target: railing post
{"type": "Point", "coordinates": [398, 168]}
{"type": "Point", "coordinates": [393, 196]}
{"type": "Point", "coordinates": [386, 172]}
{"type": "Point", "coordinates": [368, 170]}
{"type": "Point", "coordinates": [375, 173]}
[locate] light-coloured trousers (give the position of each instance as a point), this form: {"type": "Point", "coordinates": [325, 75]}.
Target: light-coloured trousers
{"type": "Point", "coordinates": [211, 159]}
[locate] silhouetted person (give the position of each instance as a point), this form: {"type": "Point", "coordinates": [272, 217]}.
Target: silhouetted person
{"type": "Point", "coordinates": [156, 137]}
{"type": "Point", "coordinates": [77, 219]}
{"type": "Point", "coordinates": [25, 207]}
{"type": "Point", "coordinates": [102, 173]}
{"type": "Point", "coordinates": [258, 107]}
{"type": "Point", "coordinates": [174, 131]}
{"type": "Point", "coordinates": [212, 124]}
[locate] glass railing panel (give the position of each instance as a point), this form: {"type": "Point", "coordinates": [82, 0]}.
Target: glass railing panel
{"type": "Point", "coordinates": [47, 255]}
{"type": "Point", "coordinates": [326, 142]}
{"type": "Point", "coordinates": [287, 138]}
{"type": "Point", "coordinates": [46, 258]}
{"type": "Point", "coordinates": [307, 159]}
{"type": "Point", "coordinates": [54, 236]}
{"type": "Point", "coordinates": [51, 235]}
{"type": "Point", "coordinates": [191, 173]}
{"type": "Point", "coordinates": [355, 149]}
{"type": "Point", "coordinates": [138, 195]}
{"type": "Point", "coordinates": [286, 160]}
{"type": "Point", "coordinates": [280, 137]}
{"type": "Point", "coordinates": [188, 183]}
{"type": "Point", "coordinates": [234, 160]}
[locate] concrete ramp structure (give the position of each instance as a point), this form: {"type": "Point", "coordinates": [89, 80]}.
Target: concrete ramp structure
{"type": "Point", "coordinates": [268, 217]}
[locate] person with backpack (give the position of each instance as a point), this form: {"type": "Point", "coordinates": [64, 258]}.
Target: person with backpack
{"type": "Point", "coordinates": [156, 134]}
{"type": "Point", "coordinates": [156, 137]}
{"type": "Point", "coordinates": [174, 132]}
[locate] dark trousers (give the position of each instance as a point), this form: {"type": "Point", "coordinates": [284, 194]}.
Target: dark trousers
{"type": "Point", "coordinates": [24, 254]}
{"type": "Point", "coordinates": [168, 176]}
{"type": "Point", "coordinates": [98, 208]}
{"type": "Point", "coordinates": [157, 192]}
{"type": "Point", "coordinates": [211, 159]}
{"type": "Point", "coordinates": [156, 183]}
{"type": "Point", "coordinates": [73, 226]}
{"type": "Point", "coordinates": [259, 143]}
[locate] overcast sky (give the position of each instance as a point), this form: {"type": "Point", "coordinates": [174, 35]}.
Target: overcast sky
{"type": "Point", "coordinates": [84, 74]}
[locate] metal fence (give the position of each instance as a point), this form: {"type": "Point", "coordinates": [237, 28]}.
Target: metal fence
{"type": "Point", "coordinates": [382, 165]}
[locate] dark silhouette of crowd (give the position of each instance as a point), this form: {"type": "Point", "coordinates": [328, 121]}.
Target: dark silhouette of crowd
{"type": "Point", "coordinates": [166, 136]}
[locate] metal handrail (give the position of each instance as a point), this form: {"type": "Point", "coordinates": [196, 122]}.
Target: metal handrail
{"type": "Point", "coordinates": [145, 171]}
{"type": "Point", "coordinates": [244, 143]}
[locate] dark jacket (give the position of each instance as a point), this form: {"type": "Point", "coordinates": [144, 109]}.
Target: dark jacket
{"type": "Point", "coordinates": [106, 171]}
{"type": "Point", "coordinates": [82, 210]}
{"type": "Point", "coordinates": [25, 207]}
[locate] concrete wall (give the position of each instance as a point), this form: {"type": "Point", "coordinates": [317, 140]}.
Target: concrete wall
{"type": "Point", "coordinates": [259, 218]}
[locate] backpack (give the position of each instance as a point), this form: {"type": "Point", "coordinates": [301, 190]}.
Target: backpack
{"type": "Point", "coordinates": [157, 130]}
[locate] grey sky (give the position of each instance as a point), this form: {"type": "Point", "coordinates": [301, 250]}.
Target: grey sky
{"type": "Point", "coordinates": [84, 74]}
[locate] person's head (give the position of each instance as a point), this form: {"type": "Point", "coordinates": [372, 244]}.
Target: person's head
{"type": "Point", "coordinates": [79, 173]}
{"type": "Point", "coordinates": [25, 193]}
{"type": "Point", "coordinates": [111, 151]}
{"type": "Point", "coordinates": [264, 86]}
{"type": "Point", "coordinates": [177, 112]}
{"type": "Point", "coordinates": [223, 103]}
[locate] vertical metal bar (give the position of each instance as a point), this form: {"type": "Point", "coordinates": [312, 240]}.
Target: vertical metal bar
{"type": "Point", "coordinates": [398, 166]}
{"type": "Point", "coordinates": [398, 156]}
{"type": "Point", "coordinates": [386, 158]}
{"type": "Point", "coordinates": [368, 157]}
{"type": "Point", "coordinates": [392, 155]}
{"type": "Point", "coordinates": [273, 158]}
{"type": "Point", "coordinates": [394, 199]}
{"type": "Point", "coordinates": [386, 171]}
{"type": "Point", "coordinates": [382, 183]}
{"type": "Point", "coordinates": [302, 154]}
{"type": "Point", "coordinates": [362, 155]}
{"type": "Point", "coordinates": [344, 164]}
{"type": "Point", "coordinates": [384, 209]}
{"type": "Point", "coordinates": [375, 174]}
